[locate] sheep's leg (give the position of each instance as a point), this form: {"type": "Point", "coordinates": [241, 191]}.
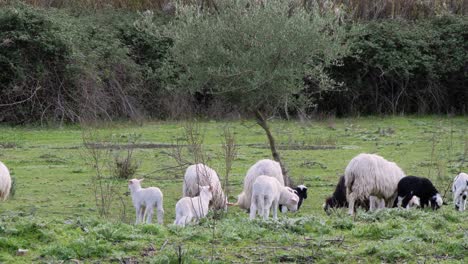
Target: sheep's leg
{"type": "Point", "coordinates": [275, 209]}
{"type": "Point", "coordinates": [266, 208]}
{"type": "Point", "coordinates": [351, 201]}
{"type": "Point", "coordinates": [253, 208]}
{"type": "Point", "coordinates": [149, 214]}
{"type": "Point", "coordinates": [463, 205]}
{"type": "Point", "coordinates": [405, 201]}
{"type": "Point", "coordinates": [137, 220]}
{"type": "Point", "coordinates": [389, 202]}
{"type": "Point", "coordinates": [372, 203]}
{"type": "Point", "coordinates": [142, 214]}
{"type": "Point", "coordinates": [261, 205]}
{"type": "Point", "coordinates": [160, 213]}
{"type": "Point", "coordinates": [400, 201]}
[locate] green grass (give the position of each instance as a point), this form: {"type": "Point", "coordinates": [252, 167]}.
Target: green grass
{"type": "Point", "coordinates": [53, 213]}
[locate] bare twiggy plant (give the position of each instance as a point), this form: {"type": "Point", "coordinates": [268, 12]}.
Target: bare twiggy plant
{"type": "Point", "coordinates": [230, 153]}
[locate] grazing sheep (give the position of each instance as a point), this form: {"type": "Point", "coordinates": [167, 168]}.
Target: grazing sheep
{"type": "Point", "coordinates": [5, 182]}
{"type": "Point", "coordinates": [338, 199]}
{"type": "Point", "coordinates": [145, 200]}
{"type": "Point", "coordinates": [200, 174]}
{"type": "Point", "coordinates": [423, 188]}
{"type": "Point", "coordinates": [262, 167]}
{"type": "Point", "coordinates": [460, 191]}
{"type": "Point", "coordinates": [188, 208]}
{"type": "Point", "coordinates": [267, 192]}
{"type": "Point", "coordinates": [371, 175]}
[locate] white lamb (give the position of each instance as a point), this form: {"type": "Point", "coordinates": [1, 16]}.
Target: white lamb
{"type": "Point", "coordinates": [197, 207]}
{"type": "Point", "coordinates": [460, 191]}
{"type": "Point", "coordinates": [371, 175]}
{"type": "Point", "coordinates": [267, 192]}
{"type": "Point", "coordinates": [262, 167]}
{"type": "Point", "coordinates": [5, 182]}
{"type": "Point", "coordinates": [200, 174]}
{"type": "Point", "coordinates": [145, 200]}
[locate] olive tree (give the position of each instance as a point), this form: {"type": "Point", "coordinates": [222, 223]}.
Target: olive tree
{"type": "Point", "coordinates": [255, 56]}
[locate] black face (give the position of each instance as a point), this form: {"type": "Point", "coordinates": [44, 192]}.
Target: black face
{"type": "Point", "coordinates": [434, 204]}
{"type": "Point", "coordinates": [330, 203]}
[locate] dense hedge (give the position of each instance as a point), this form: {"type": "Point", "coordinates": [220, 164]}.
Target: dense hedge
{"type": "Point", "coordinates": [58, 65]}
{"type": "Point", "coordinates": [404, 67]}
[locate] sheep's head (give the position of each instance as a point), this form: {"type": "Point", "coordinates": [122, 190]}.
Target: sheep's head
{"type": "Point", "coordinates": [301, 191]}
{"type": "Point", "coordinates": [206, 191]}
{"type": "Point", "coordinates": [291, 199]}
{"type": "Point", "coordinates": [330, 202]}
{"type": "Point", "coordinates": [134, 184]}
{"type": "Point", "coordinates": [436, 201]}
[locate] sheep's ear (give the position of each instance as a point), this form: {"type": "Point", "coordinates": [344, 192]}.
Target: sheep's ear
{"type": "Point", "coordinates": [130, 181]}
{"type": "Point", "coordinates": [140, 180]}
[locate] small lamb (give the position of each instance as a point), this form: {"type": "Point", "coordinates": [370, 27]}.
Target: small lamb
{"type": "Point", "coordinates": [460, 191]}
{"type": "Point", "coordinates": [188, 208]}
{"type": "Point", "coordinates": [267, 192]}
{"type": "Point", "coordinates": [144, 200]}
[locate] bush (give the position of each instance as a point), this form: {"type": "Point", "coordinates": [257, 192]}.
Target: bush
{"type": "Point", "coordinates": [404, 67]}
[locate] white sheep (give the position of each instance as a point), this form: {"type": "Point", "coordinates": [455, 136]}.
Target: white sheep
{"type": "Point", "coordinates": [189, 208]}
{"type": "Point", "coordinates": [145, 200]}
{"type": "Point", "coordinates": [267, 192]}
{"type": "Point", "coordinates": [371, 175]}
{"type": "Point", "coordinates": [262, 167]}
{"type": "Point", "coordinates": [460, 191]}
{"type": "Point", "coordinates": [201, 174]}
{"type": "Point", "coordinates": [5, 182]}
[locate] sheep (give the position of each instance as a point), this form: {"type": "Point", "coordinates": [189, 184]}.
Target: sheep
{"type": "Point", "coordinates": [421, 187]}
{"type": "Point", "coordinates": [201, 174]}
{"type": "Point", "coordinates": [187, 208]}
{"type": "Point", "coordinates": [267, 192]}
{"type": "Point", "coordinates": [371, 175]}
{"type": "Point", "coordinates": [144, 200]}
{"type": "Point", "coordinates": [262, 167]}
{"type": "Point", "coordinates": [338, 199]}
{"type": "Point", "coordinates": [460, 191]}
{"type": "Point", "coordinates": [5, 182]}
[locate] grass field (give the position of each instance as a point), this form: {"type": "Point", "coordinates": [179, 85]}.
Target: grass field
{"type": "Point", "coordinates": [54, 216]}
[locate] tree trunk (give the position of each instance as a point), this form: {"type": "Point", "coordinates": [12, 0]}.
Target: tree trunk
{"type": "Point", "coordinates": [261, 121]}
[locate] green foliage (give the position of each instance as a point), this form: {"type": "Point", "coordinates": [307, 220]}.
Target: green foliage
{"type": "Point", "coordinates": [405, 66]}
{"type": "Point", "coordinates": [254, 56]}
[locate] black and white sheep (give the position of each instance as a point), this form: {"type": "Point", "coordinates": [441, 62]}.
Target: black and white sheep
{"type": "Point", "coordinates": [460, 191]}
{"type": "Point", "coordinates": [371, 175]}
{"type": "Point", "coordinates": [421, 187]}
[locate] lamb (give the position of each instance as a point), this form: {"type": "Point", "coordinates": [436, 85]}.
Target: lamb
{"type": "Point", "coordinates": [201, 174]}
{"type": "Point", "coordinates": [267, 192]}
{"type": "Point", "coordinates": [5, 182]}
{"type": "Point", "coordinates": [188, 208]}
{"type": "Point", "coordinates": [460, 191]}
{"type": "Point", "coordinates": [145, 200]}
{"type": "Point", "coordinates": [421, 187]}
{"type": "Point", "coordinates": [262, 167]}
{"type": "Point", "coordinates": [371, 175]}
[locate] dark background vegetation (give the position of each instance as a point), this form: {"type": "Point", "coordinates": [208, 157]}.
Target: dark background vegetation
{"type": "Point", "coordinates": [67, 61]}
